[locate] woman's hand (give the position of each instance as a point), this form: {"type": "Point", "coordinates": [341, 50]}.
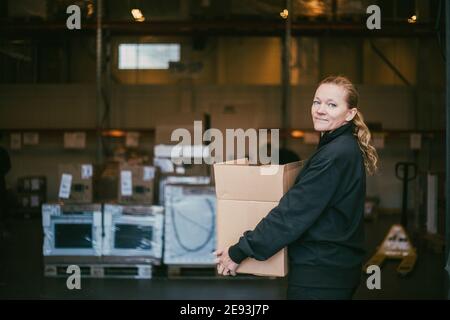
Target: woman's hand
{"type": "Point", "coordinates": [225, 266]}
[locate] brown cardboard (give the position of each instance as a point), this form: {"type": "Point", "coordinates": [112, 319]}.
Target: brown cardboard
{"type": "Point", "coordinates": [244, 198]}
{"type": "Point", "coordinates": [237, 180]}
{"type": "Point", "coordinates": [106, 189]}
{"type": "Point", "coordinates": [234, 217]}
{"type": "Point", "coordinates": [81, 187]}
{"type": "Point", "coordinates": [142, 188]}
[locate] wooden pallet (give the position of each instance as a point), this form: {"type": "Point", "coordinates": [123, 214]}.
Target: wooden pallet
{"type": "Point", "coordinates": [203, 272]}
{"type": "Point", "coordinates": [191, 271]}
{"type": "Point", "coordinates": [130, 271]}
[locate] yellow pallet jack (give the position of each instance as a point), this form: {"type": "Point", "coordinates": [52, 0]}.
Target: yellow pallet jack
{"type": "Point", "coordinates": [396, 245]}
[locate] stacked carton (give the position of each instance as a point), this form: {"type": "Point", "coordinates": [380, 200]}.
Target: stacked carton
{"type": "Point", "coordinates": [136, 184]}
{"type": "Point", "coordinates": [76, 183]}
{"type": "Point", "coordinates": [245, 195]}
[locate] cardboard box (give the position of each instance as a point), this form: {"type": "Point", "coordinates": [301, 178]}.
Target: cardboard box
{"type": "Point", "coordinates": [244, 197]}
{"type": "Point", "coordinates": [136, 184]}
{"type": "Point", "coordinates": [237, 180]}
{"type": "Point", "coordinates": [76, 183]}
{"type": "Point", "coordinates": [106, 185]}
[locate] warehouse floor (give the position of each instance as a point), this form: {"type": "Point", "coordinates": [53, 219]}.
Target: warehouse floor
{"type": "Point", "coordinates": [21, 270]}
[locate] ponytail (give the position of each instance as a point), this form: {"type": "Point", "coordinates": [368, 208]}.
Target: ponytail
{"type": "Point", "coordinates": [363, 135]}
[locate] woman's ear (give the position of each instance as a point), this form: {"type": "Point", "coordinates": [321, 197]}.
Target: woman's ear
{"type": "Point", "coordinates": [351, 114]}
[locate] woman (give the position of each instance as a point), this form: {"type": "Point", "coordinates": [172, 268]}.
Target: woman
{"type": "Point", "coordinates": [320, 218]}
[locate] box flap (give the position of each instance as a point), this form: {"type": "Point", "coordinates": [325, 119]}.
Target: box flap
{"type": "Point", "coordinates": [246, 182]}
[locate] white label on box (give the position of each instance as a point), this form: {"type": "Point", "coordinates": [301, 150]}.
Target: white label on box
{"type": "Point", "coordinates": [16, 141]}
{"type": "Point", "coordinates": [149, 173]}
{"type": "Point", "coordinates": [378, 141]}
{"type": "Point", "coordinates": [415, 141]}
{"type": "Point", "coordinates": [180, 170]}
{"type": "Point", "coordinates": [34, 201]}
{"type": "Point", "coordinates": [35, 184]}
{"type": "Point", "coordinates": [311, 138]}
{"type": "Point", "coordinates": [65, 186]}
{"type": "Point", "coordinates": [132, 139]}
{"type": "Point", "coordinates": [31, 138]}
{"type": "Point", "coordinates": [75, 140]}
{"type": "Point", "coordinates": [126, 184]}
{"type": "Point", "coordinates": [86, 171]}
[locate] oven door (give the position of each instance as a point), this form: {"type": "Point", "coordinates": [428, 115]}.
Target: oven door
{"type": "Point", "coordinates": [73, 235]}
{"type": "Point", "coordinates": [127, 235]}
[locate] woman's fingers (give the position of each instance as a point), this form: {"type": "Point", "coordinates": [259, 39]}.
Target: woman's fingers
{"type": "Point", "coordinates": [218, 253]}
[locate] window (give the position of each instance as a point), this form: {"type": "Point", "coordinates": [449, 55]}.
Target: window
{"type": "Point", "coordinates": [148, 56]}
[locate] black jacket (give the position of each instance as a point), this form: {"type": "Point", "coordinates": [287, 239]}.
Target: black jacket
{"type": "Point", "coordinates": [320, 218]}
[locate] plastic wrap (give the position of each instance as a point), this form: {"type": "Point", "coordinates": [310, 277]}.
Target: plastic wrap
{"type": "Point", "coordinates": [71, 234]}
{"type": "Point", "coordinates": [133, 231]}
{"type": "Point", "coordinates": [190, 225]}
{"type": "Point", "coordinates": [164, 180]}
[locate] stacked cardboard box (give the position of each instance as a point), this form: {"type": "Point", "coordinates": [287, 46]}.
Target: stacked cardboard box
{"type": "Point", "coordinates": [136, 184]}
{"type": "Point", "coordinates": [106, 189]}
{"type": "Point", "coordinates": [245, 195]}
{"type": "Point", "coordinates": [76, 183]}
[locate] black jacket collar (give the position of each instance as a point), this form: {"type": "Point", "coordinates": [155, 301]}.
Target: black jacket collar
{"type": "Point", "coordinates": [330, 136]}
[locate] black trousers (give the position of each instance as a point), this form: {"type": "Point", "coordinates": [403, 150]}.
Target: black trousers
{"type": "Point", "coordinates": [308, 293]}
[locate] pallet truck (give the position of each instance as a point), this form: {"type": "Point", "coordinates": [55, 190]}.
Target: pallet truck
{"type": "Point", "coordinates": [396, 244]}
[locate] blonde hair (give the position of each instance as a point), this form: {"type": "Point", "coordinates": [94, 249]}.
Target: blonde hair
{"type": "Point", "coordinates": [361, 131]}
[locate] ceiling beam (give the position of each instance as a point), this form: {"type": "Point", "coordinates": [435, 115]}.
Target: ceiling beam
{"type": "Point", "coordinates": [219, 28]}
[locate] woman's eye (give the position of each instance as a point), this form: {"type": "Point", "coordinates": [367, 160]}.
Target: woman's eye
{"type": "Point", "coordinates": [332, 105]}
{"type": "Point", "coordinates": [316, 103]}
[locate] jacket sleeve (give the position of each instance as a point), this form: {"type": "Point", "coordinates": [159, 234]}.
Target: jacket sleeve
{"type": "Point", "coordinates": [298, 209]}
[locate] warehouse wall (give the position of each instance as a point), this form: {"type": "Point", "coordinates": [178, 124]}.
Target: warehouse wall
{"type": "Point", "coordinates": [73, 106]}
{"type": "Point", "coordinates": [242, 75]}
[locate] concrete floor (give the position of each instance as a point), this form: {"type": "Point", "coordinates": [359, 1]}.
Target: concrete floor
{"type": "Point", "coordinates": [21, 270]}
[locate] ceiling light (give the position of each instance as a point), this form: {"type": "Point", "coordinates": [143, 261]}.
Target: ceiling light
{"type": "Point", "coordinates": [137, 15]}
{"type": "Point", "coordinates": [413, 19]}
{"type": "Point", "coordinates": [297, 134]}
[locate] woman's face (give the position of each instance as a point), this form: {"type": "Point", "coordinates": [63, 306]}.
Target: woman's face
{"type": "Point", "coordinates": [329, 109]}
